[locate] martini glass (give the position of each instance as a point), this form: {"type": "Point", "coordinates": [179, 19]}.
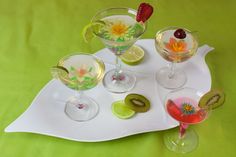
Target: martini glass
{"type": "Point", "coordinates": [182, 105]}
{"type": "Point", "coordinates": [174, 49]}
{"type": "Point", "coordinates": [118, 31]}
{"type": "Point", "coordinates": [80, 71]}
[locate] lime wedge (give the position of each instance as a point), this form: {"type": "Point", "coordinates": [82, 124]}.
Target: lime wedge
{"type": "Point", "coordinates": [122, 111]}
{"type": "Point", "coordinates": [133, 55]}
{"type": "Point", "coordinates": [90, 29]}
{"type": "Point", "coordinates": [59, 72]}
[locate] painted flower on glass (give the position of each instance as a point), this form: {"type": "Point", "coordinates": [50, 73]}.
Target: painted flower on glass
{"type": "Point", "coordinates": [80, 73]}
{"type": "Point", "coordinates": [176, 45]}
{"type": "Point", "coordinates": [187, 108]}
{"type": "Point", "coordinates": [118, 29]}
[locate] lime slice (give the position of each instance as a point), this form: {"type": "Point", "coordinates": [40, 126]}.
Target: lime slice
{"type": "Point", "coordinates": [120, 110]}
{"type": "Point", "coordinates": [59, 72]}
{"type": "Point", "coordinates": [90, 29]}
{"type": "Point", "coordinates": [133, 55]}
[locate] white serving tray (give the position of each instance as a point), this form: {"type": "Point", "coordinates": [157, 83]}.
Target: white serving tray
{"type": "Point", "coordinates": [46, 115]}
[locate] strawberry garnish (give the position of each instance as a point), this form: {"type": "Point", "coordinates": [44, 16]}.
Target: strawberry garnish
{"type": "Point", "coordinates": [145, 10]}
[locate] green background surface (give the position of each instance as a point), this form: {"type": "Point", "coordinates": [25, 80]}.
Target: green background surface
{"type": "Point", "coordinates": [34, 34]}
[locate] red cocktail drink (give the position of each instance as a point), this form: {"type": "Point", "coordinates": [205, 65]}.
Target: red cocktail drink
{"type": "Point", "coordinates": [185, 110]}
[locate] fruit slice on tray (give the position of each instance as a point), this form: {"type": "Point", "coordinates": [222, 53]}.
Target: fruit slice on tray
{"type": "Point", "coordinates": [137, 102]}
{"type": "Point", "coordinates": [212, 99]}
{"type": "Point", "coordinates": [121, 110]}
{"type": "Point", "coordinates": [133, 103]}
{"type": "Point", "coordinates": [133, 56]}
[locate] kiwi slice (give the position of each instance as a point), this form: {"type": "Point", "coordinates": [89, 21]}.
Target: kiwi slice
{"type": "Point", "coordinates": [212, 99]}
{"type": "Point", "coordinates": [137, 102]}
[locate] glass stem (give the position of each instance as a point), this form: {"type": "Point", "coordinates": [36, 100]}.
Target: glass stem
{"type": "Point", "coordinates": [172, 70]}
{"type": "Point", "coordinates": [182, 129]}
{"type": "Point", "coordinates": [79, 94]}
{"type": "Point", "coordinates": [118, 67]}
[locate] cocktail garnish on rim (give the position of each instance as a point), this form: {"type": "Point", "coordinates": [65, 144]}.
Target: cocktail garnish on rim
{"type": "Point", "coordinates": [90, 29]}
{"type": "Point", "coordinates": [145, 11]}
{"type": "Point", "coordinates": [180, 33]}
{"type": "Point", "coordinates": [212, 99]}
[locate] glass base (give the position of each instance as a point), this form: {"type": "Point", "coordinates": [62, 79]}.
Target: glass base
{"type": "Point", "coordinates": [124, 83]}
{"type": "Point", "coordinates": [81, 109]}
{"type": "Point", "coordinates": [186, 144]}
{"type": "Point", "coordinates": [176, 81]}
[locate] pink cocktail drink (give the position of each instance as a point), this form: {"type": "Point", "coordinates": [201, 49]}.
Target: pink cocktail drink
{"type": "Point", "coordinates": [186, 110]}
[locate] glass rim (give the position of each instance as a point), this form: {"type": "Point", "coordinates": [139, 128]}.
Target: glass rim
{"type": "Point", "coordinates": [96, 59]}
{"type": "Point", "coordinates": [129, 10]}
{"type": "Point", "coordinates": [186, 88]}
{"type": "Point", "coordinates": [61, 60]}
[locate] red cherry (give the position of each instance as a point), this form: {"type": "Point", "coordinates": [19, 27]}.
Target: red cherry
{"type": "Point", "coordinates": [145, 11]}
{"type": "Point", "coordinates": [180, 34]}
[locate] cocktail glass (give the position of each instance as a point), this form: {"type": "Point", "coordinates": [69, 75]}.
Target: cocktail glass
{"type": "Point", "coordinates": [174, 50]}
{"type": "Point", "coordinates": [182, 105]}
{"type": "Point", "coordinates": [118, 31]}
{"type": "Point", "coordinates": [80, 71]}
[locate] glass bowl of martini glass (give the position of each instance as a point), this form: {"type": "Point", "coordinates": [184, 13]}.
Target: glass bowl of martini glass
{"type": "Point", "coordinates": [118, 30]}
{"type": "Point", "coordinates": [80, 72]}
{"type": "Point", "coordinates": [183, 106]}
{"type": "Point", "coordinates": [175, 45]}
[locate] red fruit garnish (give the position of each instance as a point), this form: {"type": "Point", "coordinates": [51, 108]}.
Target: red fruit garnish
{"type": "Point", "coordinates": [145, 10]}
{"type": "Point", "coordinates": [180, 34]}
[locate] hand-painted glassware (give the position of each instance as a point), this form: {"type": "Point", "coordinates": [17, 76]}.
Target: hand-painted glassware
{"type": "Point", "coordinates": [175, 45]}
{"type": "Point", "coordinates": [182, 105]}
{"type": "Point", "coordinates": [118, 30]}
{"type": "Point", "coordinates": [80, 71]}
